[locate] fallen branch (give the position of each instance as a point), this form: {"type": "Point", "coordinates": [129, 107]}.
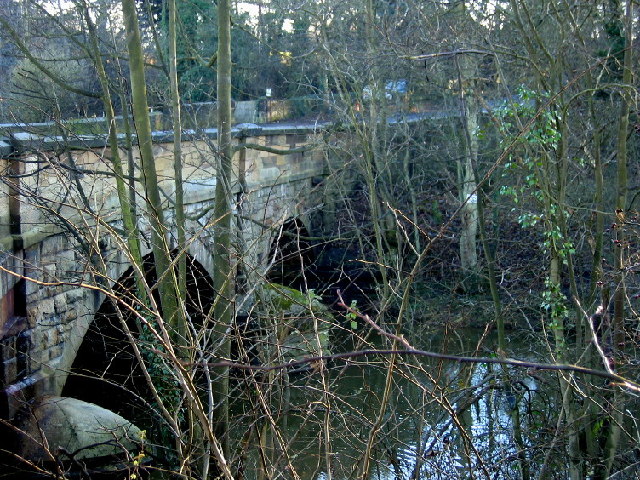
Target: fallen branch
{"type": "Point", "coordinates": [616, 380]}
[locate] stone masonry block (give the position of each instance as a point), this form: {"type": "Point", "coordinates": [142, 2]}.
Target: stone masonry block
{"type": "Point", "coordinates": [60, 302]}
{"type": "Point", "coordinates": [75, 295]}
{"type": "Point", "coordinates": [33, 292]}
{"type": "Point", "coordinates": [55, 351]}
{"type": "Point", "coordinates": [49, 271]}
{"type": "Point", "coordinates": [8, 349]}
{"type": "Point", "coordinates": [37, 358]}
{"type": "Point", "coordinates": [66, 262]}
{"type": "Point", "coordinates": [9, 371]}
{"type": "Point", "coordinates": [57, 290]}
{"type": "Point", "coordinates": [41, 340]}
{"type": "Point", "coordinates": [51, 338]}
{"type": "Point", "coordinates": [59, 314]}
{"type": "Point", "coordinates": [40, 310]}
{"type": "Point", "coordinates": [269, 161]}
{"type": "Point", "coordinates": [53, 245]}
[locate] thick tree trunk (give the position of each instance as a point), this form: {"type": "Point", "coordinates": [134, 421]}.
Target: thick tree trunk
{"type": "Point", "coordinates": [171, 311]}
{"type": "Point", "coordinates": [177, 156]}
{"type": "Point", "coordinates": [127, 204]}
{"type": "Point", "coordinates": [223, 275]}
{"type": "Point", "coordinates": [616, 402]}
{"type": "Point", "coordinates": [467, 67]}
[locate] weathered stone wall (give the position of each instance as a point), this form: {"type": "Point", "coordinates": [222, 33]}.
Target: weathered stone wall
{"type": "Point", "coordinates": [68, 220]}
{"type": "Point", "coordinates": [57, 311]}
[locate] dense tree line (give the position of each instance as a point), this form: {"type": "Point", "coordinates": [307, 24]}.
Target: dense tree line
{"type": "Point", "coordinates": [482, 157]}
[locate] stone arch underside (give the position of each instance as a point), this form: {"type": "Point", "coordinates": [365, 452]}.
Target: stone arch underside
{"type": "Point", "coordinates": [302, 261]}
{"type": "Point", "coordinates": [105, 370]}
{"type": "Point", "coordinates": [292, 256]}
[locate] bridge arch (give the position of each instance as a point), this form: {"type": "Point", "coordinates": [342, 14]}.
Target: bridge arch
{"type": "Point", "coordinates": [292, 254]}
{"type": "Point", "coordinates": [270, 187]}
{"type": "Point", "coordinates": [105, 370]}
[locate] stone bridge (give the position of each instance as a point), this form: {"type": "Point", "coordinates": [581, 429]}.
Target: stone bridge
{"type": "Point", "coordinates": [58, 201]}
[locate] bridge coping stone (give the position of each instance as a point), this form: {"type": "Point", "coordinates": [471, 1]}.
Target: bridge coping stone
{"type": "Point", "coordinates": [24, 141]}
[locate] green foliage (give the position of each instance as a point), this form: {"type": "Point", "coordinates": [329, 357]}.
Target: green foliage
{"type": "Point", "coordinates": [514, 114]}
{"type": "Point", "coordinates": [529, 163]}
{"type": "Point", "coordinates": [554, 302]}
{"type": "Point", "coordinates": [284, 298]}
{"type": "Point", "coordinates": [528, 157]}
{"type": "Point", "coordinates": [198, 84]}
{"type": "Point", "coordinates": [289, 317]}
{"type": "Point", "coordinates": [37, 98]}
{"type": "Point", "coordinates": [353, 316]}
{"type": "Point", "coordinates": [164, 381]}
{"type": "Point", "coordinates": [154, 355]}
{"type": "Point", "coordinates": [138, 460]}
{"type": "Point", "coordinates": [554, 239]}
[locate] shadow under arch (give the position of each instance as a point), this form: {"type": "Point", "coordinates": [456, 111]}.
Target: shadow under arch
{"type": "Point", "coordinates": [105, 370]}
{"type": "Point", "coordinates": [293, 256]}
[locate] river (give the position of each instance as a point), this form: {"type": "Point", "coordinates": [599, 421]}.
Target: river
{"type": "Point", "coordinates": [438, 419]}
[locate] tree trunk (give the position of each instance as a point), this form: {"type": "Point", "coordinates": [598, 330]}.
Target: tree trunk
{"type": "Point", "coordinates": [177, 158]}
{"type": "Point", "coordinates": [127, 204]}
{"type": "Point", "coordinates": [171, 311]}
{"type": "Point", "coordinates": [223, 275]}
{"type": "Point", "coordinates": [469, 214]}
{"type": "Point", "coordinates": [616, 405]}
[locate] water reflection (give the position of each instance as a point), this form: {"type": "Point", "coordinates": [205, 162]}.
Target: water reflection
{"type": "Point", "coordinates": [439, 420]}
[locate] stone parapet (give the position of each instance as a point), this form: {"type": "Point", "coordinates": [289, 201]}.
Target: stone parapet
{"type": "Point", "coordinates": [24, 138]}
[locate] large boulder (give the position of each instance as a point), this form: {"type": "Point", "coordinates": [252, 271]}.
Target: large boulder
{"type": "Point", "coordinates": [66, 428]}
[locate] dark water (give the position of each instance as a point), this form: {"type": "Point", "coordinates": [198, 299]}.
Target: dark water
{"type": "Point", "coordinates": [439, 419]}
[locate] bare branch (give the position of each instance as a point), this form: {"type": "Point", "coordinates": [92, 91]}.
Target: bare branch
{"type": "Point", "coordinates": [27, 53]}
{"type": "Point", "coordinates": [452, 53]}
